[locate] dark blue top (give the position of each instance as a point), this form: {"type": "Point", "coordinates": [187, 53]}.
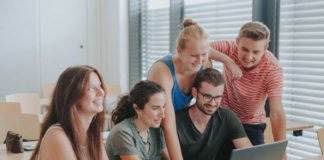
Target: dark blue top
{"type": "Point", "coordinates": [179, 100]}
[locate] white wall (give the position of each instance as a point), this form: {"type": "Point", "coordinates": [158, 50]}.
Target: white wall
{"type": "Point", "coordinates": [19, 46]}
{"type": "Point", "coordinates": [115, 42]}
{"type": "Point", "coordinates": [21, 43]}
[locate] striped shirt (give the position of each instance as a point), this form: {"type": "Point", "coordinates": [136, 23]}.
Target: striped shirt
{"type": "Point", "coordinates": [247, 95]}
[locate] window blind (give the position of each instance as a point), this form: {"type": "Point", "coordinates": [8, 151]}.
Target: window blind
{"type": "Point", "coordinates": [301, 49]}
{"type": "Point", "coordinates": [155, 33]}
{"type": "Point", "coordinates": [221, 18]}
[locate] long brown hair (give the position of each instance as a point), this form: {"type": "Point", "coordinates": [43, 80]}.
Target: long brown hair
{"type": "Point", "coordinates": [71, 87]}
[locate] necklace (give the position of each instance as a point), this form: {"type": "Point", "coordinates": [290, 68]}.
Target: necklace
{"type": "Point", "coordinates": [147, 142]}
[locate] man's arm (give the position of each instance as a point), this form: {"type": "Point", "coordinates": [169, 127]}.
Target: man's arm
{"type": "Point", "coordinates": [226, 60]}
{"type": "Point", "coordinates": [160, 74]}
{"type": "Point", "coordinates": [278, 118]}
{"type": "Point", "coordinates": [243, 142]}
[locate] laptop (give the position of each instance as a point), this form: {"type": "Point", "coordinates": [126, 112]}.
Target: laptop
{"type": "Point", "coordinates": [271, 151]}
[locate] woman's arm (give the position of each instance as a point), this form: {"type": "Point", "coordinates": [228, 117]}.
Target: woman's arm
{"type": "Point", "coordinates": [165, 154]}
{"type": "Point", "coordinates": [103, 151]}
{"type": "Point", "coordinates": [129, 157]}
{"type": "Point", "coordinates": [160, 74]}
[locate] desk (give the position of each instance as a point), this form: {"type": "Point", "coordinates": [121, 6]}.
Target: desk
{"type": "Point", "coordinates": [5, 155]}
{"type": "Point", "coordinates": [297, 127]}
{"type": "Point", "coordinates": [315, 158]}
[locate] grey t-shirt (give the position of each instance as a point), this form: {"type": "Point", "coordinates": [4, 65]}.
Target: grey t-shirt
{"type": "Point", "coordinates": [222, 128]}
{"type": "Point", "coordinates": [125, 140]}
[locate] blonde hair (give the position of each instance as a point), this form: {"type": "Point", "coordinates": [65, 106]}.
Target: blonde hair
{"type": "Point", "coordinates": [191, 29]}
{"type": "Point", "coordinates": [255, 30]}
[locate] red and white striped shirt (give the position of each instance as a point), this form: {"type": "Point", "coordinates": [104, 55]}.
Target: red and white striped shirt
{"type": "Point", "coordinates": [247, 95]}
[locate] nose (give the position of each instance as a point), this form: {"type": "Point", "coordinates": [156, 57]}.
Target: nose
{"type": "Point", "coordinates": [100, 92]}
{"type": "Point", "coordinates": [162, 112]}
{"type": "Point", "coordinates": [249, 56]}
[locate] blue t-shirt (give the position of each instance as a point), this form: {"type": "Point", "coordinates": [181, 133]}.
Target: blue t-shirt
{"type": "Point", "coordinates": [179, 100]}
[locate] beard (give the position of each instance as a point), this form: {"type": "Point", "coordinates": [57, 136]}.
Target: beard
{"type": "Point", "coordinates": [207, 109]}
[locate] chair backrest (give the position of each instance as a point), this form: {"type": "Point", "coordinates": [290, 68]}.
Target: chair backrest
{"type": "Point", "coordinates": [10, 107]}
{"type": "Point", "coordinates": [320, 135]}
{"type": "Point", "coordinates": [27, 125]}
{"type": "Point", "coordinates": [48, 89]}
{"type": "Point", "coordinates": [113, 89]}
{"type": "Point", "coordinates": [268, 136]}
{"type": "Point", "coordinates": [30, 102]}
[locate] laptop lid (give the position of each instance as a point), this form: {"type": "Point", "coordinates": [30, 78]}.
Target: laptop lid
{"type": "Point", "coordinates": [271, 151]}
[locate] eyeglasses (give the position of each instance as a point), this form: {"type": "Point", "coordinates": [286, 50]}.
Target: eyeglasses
{"type": "Point", "coordinates": [208, 98]}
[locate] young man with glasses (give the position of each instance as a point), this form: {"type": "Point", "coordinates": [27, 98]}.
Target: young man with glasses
{"type": "Point", "coordinates": [204, 129]}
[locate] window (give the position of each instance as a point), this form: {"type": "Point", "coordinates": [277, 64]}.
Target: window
{"type": "Point", "coordinates": [221, 18]}
{"type": "Point", "coordinates": [301, 56]}
{"type": "Point", "coordinates": [155, 33]}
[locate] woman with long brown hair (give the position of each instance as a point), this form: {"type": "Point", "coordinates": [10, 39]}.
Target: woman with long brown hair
{"type": "Point", "coordinates": [73, 125]}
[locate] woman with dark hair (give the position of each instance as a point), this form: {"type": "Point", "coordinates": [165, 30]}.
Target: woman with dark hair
{"type": "Point", "coordinates": [73, 125]}
{"type": "Point", "coordinates": [138, 115]}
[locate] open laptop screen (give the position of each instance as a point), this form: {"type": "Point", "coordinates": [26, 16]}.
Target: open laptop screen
{"type": "Point", "coordinates": [271, 151]}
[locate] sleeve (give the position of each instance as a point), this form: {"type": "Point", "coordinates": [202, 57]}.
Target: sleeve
{"type": "Point", "coordinates": [224, 46]}
{"type": "Point", "coordinates": [274, 84]}
{"type": "Point", "coordinates": [235, 126]}
{"type": "Point", "coordinates": [122, 142]}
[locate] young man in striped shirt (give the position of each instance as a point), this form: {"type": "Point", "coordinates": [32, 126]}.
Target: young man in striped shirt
{"type": "Point", "coordinates": [260, 78]}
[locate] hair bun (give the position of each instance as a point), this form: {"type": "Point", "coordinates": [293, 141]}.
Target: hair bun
{"type": "Point", "coordinates": [188, 22]}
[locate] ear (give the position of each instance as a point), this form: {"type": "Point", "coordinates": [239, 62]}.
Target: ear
{"type": "Point", "coordinates": [136, 108]}
{"type": "Point", "coordinates": [237, 40]}
{"type": "Point", "coordinates": [194, 91]}
{"type": "Point", "coordinates": [266, 46]}
{"type": "Point", "coordinates": [179, 51]}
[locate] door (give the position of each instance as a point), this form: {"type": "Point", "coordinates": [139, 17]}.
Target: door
{"type": "Point", "coordinates": [63, 36]}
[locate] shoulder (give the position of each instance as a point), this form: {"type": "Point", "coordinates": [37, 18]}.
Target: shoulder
{"type": "Point", "coordinates": [124, 127]}
{"type": "Point", "coordinates": [161, 74]}
{"type": "Point", "coordinates": [225, 113]}
{"type": "Point", "coordinates": [55, 142]}
{"type": "Point", "coordinates": [182, 113]}
{"type": "Point", "coordinates": [181, 116]}
{"type": "Point", "coordinates": [272, 61]}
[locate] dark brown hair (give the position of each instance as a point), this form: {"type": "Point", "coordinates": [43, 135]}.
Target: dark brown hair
{"type": "Point", "coordinates": [210, 76]}
{"type": "Point", "coordinates": [140, 94]}
{"type": "Point", "coordinates": [70, 88]}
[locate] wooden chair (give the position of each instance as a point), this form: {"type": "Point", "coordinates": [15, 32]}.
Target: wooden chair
{"type": "Point", "coordinates": [268, 136]}
{"type": "Point", "coordinates": [30, 102]}
{"type": "Point", "coordinates": [320, 136]}
{"type": "Point", "coordinates": [27, 125]}
{"type": "Point", "coordinates": [10, 107]}
{"type": "Point", "coordinates": [48, 89]}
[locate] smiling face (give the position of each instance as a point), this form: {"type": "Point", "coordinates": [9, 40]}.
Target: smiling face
{"type": "Point", "coordinates": [208, 97]}
{"type": "Point", "coordinates": [153, 112]}
{"type": "Point", "coordinates": [194, 54]}
{"type": "Point", "coordinates": [250, 52]}
{"type": "Point", "coordinates": [93, 100]}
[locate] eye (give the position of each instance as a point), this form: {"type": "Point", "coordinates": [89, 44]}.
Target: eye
{"type": "Point", "coordinates": [195, 56]}
{"type": "Point", "coordinates": [208, 96]}
{"type": "Point", "coordinates": [156, 108]}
